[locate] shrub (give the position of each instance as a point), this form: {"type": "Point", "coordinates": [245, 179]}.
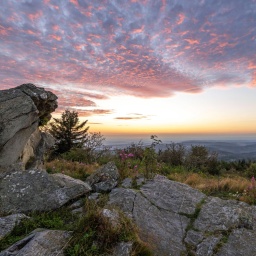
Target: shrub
{"type": "Point", "coordinates": [173, 155]}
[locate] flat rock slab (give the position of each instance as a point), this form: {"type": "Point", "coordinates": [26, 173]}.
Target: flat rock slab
{"type": "Point", "coordinates": [36, 190]}
{"type": "Point", "coordinates": [172, 196]}
{"type": "Point", "coordinates": [8, 223]}
{"type": "Point", "coordinates": [160, 226]}
{"type": "Point", "coordinates": [161, 229]}
{"type": "Point", "coordinates": [124, 199]}
{"type": "Point", "coordinates": [40, 243]}
{"type": "Point", "coordinates": [220, 215]}
{"type": "Point", "coordinates": [241, 242]}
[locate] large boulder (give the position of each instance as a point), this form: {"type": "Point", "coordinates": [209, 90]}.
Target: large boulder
{"type": "Point", "coordinates": [176, 219]}
{"type": "Point", "coordinates": [22, 110]}
{"type": "Point", "coordinates": [36, 190]}
{"type": "Point", "coordinates": [105, 178]}
{"type": "Point", "coordinates": [40, 243]}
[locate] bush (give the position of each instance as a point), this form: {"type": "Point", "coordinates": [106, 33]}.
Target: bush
{"type": "Point", "coordinates": [200, 159]}
{"type": "Point", "coordinates": [173, 155]}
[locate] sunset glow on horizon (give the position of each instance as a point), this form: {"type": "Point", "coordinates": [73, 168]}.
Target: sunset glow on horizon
{"type": "Point", "coordinates": [138, 66]}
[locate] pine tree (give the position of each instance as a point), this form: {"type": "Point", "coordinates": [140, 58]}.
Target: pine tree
{"type": "Point", "coordinates": [68, 132]}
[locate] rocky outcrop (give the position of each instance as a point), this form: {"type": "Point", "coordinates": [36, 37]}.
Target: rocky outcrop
{"type": "Point", "coordinates": [105, 178]}
{"type": "Point", "coordinates": [22, 109]}
{"type": "Point", "coordinates": [36, 190]}
{"type": "Point", "coordinates": [40, 243]}
{"type": "Point", "coordinates": [176, 219]}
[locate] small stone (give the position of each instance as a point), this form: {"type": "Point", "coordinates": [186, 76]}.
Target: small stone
{"type": "Point", "coordinates": [105, 178]}
{"type": "Point", "coordinates": [94, 196]}
{"type": "Point", "coordinates": [127, 183]}
{"type": "Point", "coordinates": [8, 223]}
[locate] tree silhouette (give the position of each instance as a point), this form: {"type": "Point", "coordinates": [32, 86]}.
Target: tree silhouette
{"type": "Point", "coordinates": [68, 132]}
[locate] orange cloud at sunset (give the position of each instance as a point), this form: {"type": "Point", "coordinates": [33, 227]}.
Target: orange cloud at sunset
{"type": "Point", "coordinates": [145, 52]}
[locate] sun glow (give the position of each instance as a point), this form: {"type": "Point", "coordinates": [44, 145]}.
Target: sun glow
{"type": "Point", "coordinates": [213, 111]}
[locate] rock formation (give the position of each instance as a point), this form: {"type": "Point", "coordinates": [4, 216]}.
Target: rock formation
{"type": "Point", "coordinates": [22, 110]}
{"type": "Point", "coordinates": [166, 213]}
{"type": "Point", "coordinates": [173, 218]}
{"type": "Point", "coordinates": [36, 190]}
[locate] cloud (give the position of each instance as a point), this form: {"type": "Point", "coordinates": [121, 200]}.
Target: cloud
{"type": "Point", "coordinates": [140, 48]}
{"type": "Point", "coordinates": [132, 117]}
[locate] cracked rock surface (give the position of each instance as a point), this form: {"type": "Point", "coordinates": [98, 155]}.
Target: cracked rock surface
{"type": "Point", "coordinates": [40, 243]}
{"type": "Point", "coordinates": [36, 190]}
{"type": "Point", "coordinates": [166, 213]}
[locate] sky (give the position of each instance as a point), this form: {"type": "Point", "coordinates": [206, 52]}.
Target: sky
{"type": "Point", "coordinates": [137, 66]}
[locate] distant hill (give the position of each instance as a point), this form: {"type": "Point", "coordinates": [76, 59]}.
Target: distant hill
{"type": "Point", "coordinates": [231, 150]}
{"type": "Point", "coordinates": [228, 150]}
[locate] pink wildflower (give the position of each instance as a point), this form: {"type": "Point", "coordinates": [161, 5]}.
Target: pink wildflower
{"type": "Point", "coordinates": [253, 181]}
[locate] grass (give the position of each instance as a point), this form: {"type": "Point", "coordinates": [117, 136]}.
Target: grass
{"type": "Point", "coordinates": [60, 219]}
{"type": "Point", "coordinates": [226, 187]}
{"type": "Point", "coordinates": [73, 169]}
{"type": "Point", "coordinates": [96, 235]}
{"type": "Point", "coordinates": [93, 233]}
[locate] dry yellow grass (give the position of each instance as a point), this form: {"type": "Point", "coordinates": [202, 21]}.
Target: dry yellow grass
{"type": "Point", "coordinates": [74, 169]}
{"type": "Point", "coordinates": [212, 184]}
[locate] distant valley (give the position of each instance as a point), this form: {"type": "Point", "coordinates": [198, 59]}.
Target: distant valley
{"type": "Point", "coordinates": [230, 150]}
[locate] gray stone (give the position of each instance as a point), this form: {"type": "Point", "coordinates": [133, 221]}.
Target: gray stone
{"type": "Point", "coordinates": [217, 214]}
{"type": "Point", "coordinates": [45, 101]}
{"type": "Point", "coordinates": [105, 178]}
{"type": "Point", "coordinates": [33, 153]}
{"type": "Point", "coordinates": [8, 223]}
{"type": "Point", "coordinates": [140, 181]}
{"type": "Point", "coordinates": [123, 198]}
{"type": "Point", "coordinates": [161, 229]}
{"type": "Point", "coordinates": [36, 190]}
{"type": "Point", "coordinates": [194, 237]}
{"type": "Point", "coordinates": [112, 216]}
{"type": "Point", "coordinates": [123, 249]}
{"type": "Point", "coordinates": [171, 195]}
{"type": "Point", "coordinates": [20, 114]}
{"type": "Point", "coordinates": [79, 211]}
{"type": "Point", "coordinates": [241, 242]}
{"type": "Point", "coordinates": [94, 196]}
{"type": "Point", "coordinates": [206, 248]}
{"type": "Point", "coordinates": [79, 203]}
{"type": "Point", "coordinates": [29, 150]}
{"type": "Point", "coordinates": [127, 183]}
{"type": "Point", "coordinates": [40, 243]}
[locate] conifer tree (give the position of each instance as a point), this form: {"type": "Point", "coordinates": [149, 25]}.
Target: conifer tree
{"type": "Point", "coordinates": [68, 132]}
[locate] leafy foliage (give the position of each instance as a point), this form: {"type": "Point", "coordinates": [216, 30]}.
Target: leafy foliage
{"type": "Point", "coordinates": [199, 158]}
{"type": "Point", "coordinates": [173, 155]}
{"type": "Point", "coordinates": [68, 132]}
